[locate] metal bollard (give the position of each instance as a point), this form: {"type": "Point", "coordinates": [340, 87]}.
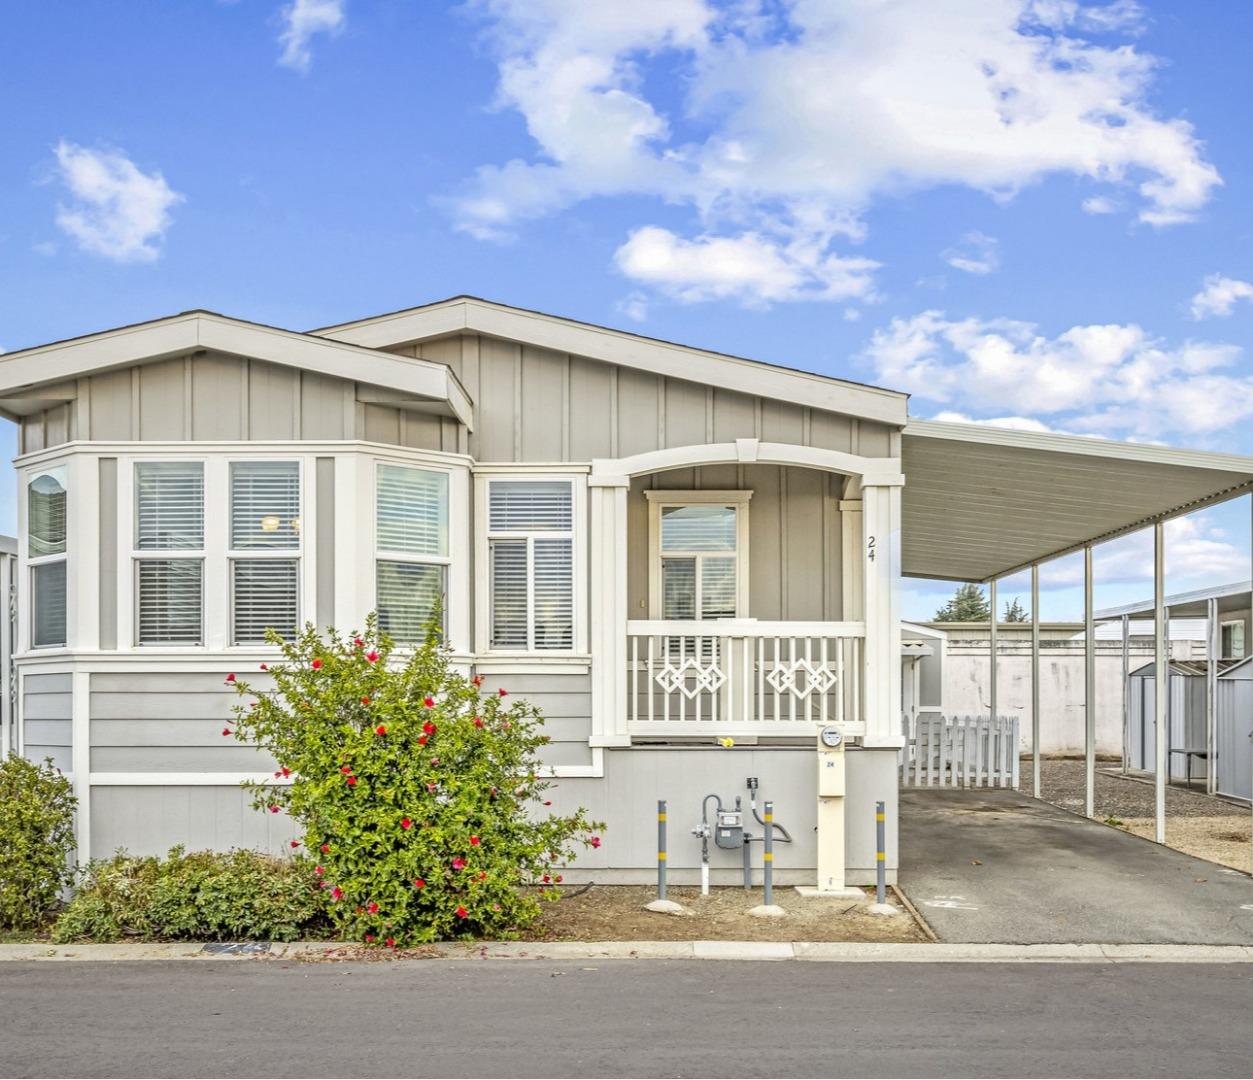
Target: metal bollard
{"type": "Point", "coordinates": [767, 857]}
{"type": "Point", "coordinates": [661, 849]}
{"type": "Point", "coordinates": [881, 855]}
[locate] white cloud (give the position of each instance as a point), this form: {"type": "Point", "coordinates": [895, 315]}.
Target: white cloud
{"type": "Point", "coordinates": [778, 125]}
{"type": "Point", "coordinates": [1218, 295]}
{"type": "Point", "coordinates": [634, 306]}
{"type": "Point", "coordinates": [302, 21]}
{"type": "Point", "coordinates": [1099, 204]}
{"type": "Point", "coordinates": [975, 253]}
{"type": "Point", "coordinates": [1114, 380]}
{"type": "Point", "coordinates": [116, 210]}
{"type": "Point", "coordinates": [1011, 423]}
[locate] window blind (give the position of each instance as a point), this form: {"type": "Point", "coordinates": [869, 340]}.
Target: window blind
{"type": "Point", "coordinates": [266, 597]}
{"type": "Point", "coordinates": [48, 609]}
{"type": "Point", "coordinates": [509, 594]}
{"type": "Point", "coordinates": [406, 595]}
{"type": "Point", "coordinates": [169, 499]}
{"type": "Point", "coordinates": [530, 505]}
{"type": "Point", "coordinates": [412, 509]}
{"type": "Point", "coordinates": [698, 528]}
{"type": "Point", "coordinates": [678, 589]}
{"type": "Point", "coordinates": [265, 505]}
{"type": "Point", "coordinates": [717, 588]}
{"type": "Point", "coordinates": [554, 593]}
{"type": "Point", "coordinates": [170, 592]}
{"type": "Point", "coordinates": [46, 504]}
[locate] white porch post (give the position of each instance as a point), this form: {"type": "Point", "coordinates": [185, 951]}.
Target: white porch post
{"type": "Point", "coordinates": [881, 557]}
{"type": "Point", "coordinates": [1089, 689]}
{"type": "Point", "coordinates": [993, 657]}
{"type": "Point", "coordinates": [1035, 680]}
{"type": "Point", "coordinates": [1161, 691]}
{"type": "Point", "coordinates": [608, 609]}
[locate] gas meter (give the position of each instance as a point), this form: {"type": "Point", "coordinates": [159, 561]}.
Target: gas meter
{"type": "Point", "coordinates": [729, 831]}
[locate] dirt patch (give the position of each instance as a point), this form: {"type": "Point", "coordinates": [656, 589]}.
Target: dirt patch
{"type": "Point", "coordinates": [616, 913]}
{"type": "Point", "coordinates": [1224, 839]}
{"type": "Point", "coordinates": [1116, 796]}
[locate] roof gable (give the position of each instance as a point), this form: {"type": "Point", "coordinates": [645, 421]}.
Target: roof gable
{"type": "Point", "coordinates": [472, 314]}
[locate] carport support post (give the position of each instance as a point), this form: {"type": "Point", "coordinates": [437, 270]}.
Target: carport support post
{"type": "Point", "coordinates": [1035, 680]}
{"type": "Point", "coordinates": [1126, 691]}
{"type": "Point", "coordinates": [1161, 691]}
{"type": "Point", "coordinates": [1089, 689]}
{"type": "Point", "coordinates": [992, 658]}
{"type": "Point", "coordinates": [1212, 649]}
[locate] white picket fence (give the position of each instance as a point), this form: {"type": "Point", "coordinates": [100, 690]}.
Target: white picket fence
{"type": "Point", "coordinates": [961, 751]}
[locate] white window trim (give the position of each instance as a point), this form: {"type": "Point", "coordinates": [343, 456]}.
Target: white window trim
{"type": "Point", "coordinates": [1223, 626]}
{"type": "Point", "coordinates": [137, 555]}
{"type": "Point", "coordinates": [660, 500]}
{"type": "Point", "coordinates": [482, 558]}
{"type": "Point", "coordinates": [27, 563]}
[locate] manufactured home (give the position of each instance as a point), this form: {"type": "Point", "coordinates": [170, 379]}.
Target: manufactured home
{"type": "Point", "coordinates": [666, 548]}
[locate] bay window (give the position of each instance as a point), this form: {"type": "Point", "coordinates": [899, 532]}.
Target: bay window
{"type": "Point", "coordinates": [412, 556]}
{"type": "Point", "coordinates": [46, 523]}
{"type": "Point", "coordinates": [169, 552]}
{"type": "Point", "coordinates": [264, 550]}
{"type": "Point", "coordinates": [530, 544]}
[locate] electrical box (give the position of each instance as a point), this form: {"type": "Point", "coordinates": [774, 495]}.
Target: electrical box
{"type": "Point", "coordinates": [729, 832]}
{"type": "Point", "coordinates": [830, 763]}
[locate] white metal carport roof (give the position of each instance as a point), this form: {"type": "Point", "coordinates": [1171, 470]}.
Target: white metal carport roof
{"type": "Point", "coordinates": [981, 502]}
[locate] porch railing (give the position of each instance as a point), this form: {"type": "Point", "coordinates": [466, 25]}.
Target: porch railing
{"type": "Point", "coordinates": [742, 677]}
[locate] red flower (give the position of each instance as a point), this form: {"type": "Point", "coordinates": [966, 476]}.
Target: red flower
{"type": "Point", "coordinates": [285, 771]}
{"type": "Point", "coordinates": [428, 701]}
{"type": "Point", "coordinates": [474, 841]}
{"type": "Point", "coordinates": [434, 761]}
{"type": "Point", "coordinates": [419, 883]}
{"type": "Point", "coordinates": [429, 728]}
{"type": "Point", "coordinates": [391, 942]}
{"type": "Point", "coordinates": [337, 893]}
{"type": "Point", "coordinates": [478, 721]}
{"type": "Point", "coordinates": [319, 870]}
{"type": "Point", "coordinates": [369, 938]}
{"type": "Point", "coordinates": [405, 823]}
{"type": "Point", "coordinates": [482, 875]}
{"type": "Point", "coordinates": [273, 809]}
{"type": "Point", "coordinates": [431, 787]}
{"type": "Point", "coordinates": [548, 802]}
{"type": "Point", "coordinates": [365, 701]}
{"type": "Point", "coordinates": [461, 913]}
{"type": "Point", "coordinates": [226, 731]}
{"type": "Point", "coordinates": [265, 667]}
{"type": "Point", "coordinates": [380, 730]}
{"type": "Point", "coordinates": [477, 680]}
{"type": "Point", "coordinates": [558, 879]}
{"type": "Point", "coordinates": [547, 879]}
{"type": "Point", "coordinates": [372, 908]}
{"type": "Point", "coordinates": [230, 677]}
{"type": "Point", "coordinates": [295, 843]}
{"type": "Point", "coordinates": [595, 841]}
{"type": "Point", "coordinates": [372, 656]}
{"type": "Point", "coordinates": [316, 665]}
{"type": "Point", "coordinates": [326, 848]}
{"type": "Point", "coordinates": [352, 781]}
{"type": "Point", "coordinates": [345, 769]}
{"type": "Point", "coordinates": [502, 691]}
{"type": "Point", "coordinates": [358, 642]}
{"type": "Point", "coordinates": [421, 740]}
{"type": "Point", "coordinates": [458, 863]}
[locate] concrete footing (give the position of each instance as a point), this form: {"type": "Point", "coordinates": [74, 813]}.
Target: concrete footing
{"type": "Point", "coordinates": [665, 907]}
{"type": "Point", "coordinates": [768, 911]}
{"type": "Point", "coordinates": [813, 890]}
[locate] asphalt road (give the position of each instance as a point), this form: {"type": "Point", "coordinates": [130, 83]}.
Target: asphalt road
{"type": "Point", "coordinates": [985, 865]}
{"type": "Point", "coordinates": [526, 1018]}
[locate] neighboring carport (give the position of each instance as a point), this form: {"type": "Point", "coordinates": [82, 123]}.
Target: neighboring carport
{"type": "Point", "coordinates": [981, 503]}
{"type": "Point", "coordinates": [996, 866]}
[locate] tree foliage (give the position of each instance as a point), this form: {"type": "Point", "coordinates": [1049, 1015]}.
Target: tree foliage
{"type": "Point", "coordinates": [36, 839]}
{"type": "Point", "coordinates": [1015, 612]}
{"type": "Point", "coordinates": [967, 604]}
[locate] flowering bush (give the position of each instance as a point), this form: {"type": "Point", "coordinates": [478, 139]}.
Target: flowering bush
{"type": "Point", "coordinates": [416, 789]}
{"type": "Point", "coordinates": [204, 896]}
{"type": "Point", "coordinates": [36, 839]}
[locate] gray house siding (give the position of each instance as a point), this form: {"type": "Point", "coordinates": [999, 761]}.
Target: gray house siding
{"type": "Point", "coordinates": [47, 710]}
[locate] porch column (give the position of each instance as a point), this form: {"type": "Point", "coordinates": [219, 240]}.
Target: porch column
{"type": "Point", "coordinates": [1161, 691]}
{"type": "Point", "coordinates": [1089, 689]}
{"type": "Point", "coordinates": [881, 559]}
{"type": "Point", "coordinates": [608, 609]}
{"type": "Point", "coordinates": [1035, 680]}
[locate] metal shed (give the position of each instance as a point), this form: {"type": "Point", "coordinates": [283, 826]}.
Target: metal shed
{"type": "Point", "coordinates": [1233, 733]}
{"type": "Point", "coordinates": [1185, 713]}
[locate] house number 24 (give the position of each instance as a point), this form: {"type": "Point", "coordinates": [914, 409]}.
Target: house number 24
{"type": "Point", "coordinates": [870, 549]}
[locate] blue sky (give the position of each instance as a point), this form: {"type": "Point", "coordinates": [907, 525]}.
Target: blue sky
{"type": "Point", "coordinates": [1034, 212]}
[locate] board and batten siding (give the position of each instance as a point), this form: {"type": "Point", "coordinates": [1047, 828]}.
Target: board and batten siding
{"type": "Point", "coordinates": [190, 398]}
{"type": "Point", "coordinates": [47, 707]}
{"type": "Point", "coordinates": [533, 404]}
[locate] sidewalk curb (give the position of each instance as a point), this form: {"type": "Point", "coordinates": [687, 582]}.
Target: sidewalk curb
{"type": "Point", "coordinates": [810, 951]}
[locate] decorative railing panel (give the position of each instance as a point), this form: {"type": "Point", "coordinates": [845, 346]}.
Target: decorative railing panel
{"type": "Point", "coordinates": [742, 676]}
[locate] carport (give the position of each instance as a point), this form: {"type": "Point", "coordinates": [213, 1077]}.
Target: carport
{"type": "Point", "coordinates": [983, 503]}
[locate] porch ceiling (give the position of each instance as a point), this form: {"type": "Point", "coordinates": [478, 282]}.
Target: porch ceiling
{"type": "Point", "coordinates": [980, 502]}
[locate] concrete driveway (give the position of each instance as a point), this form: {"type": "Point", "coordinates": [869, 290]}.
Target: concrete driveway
{"type": "Point", "coordinates": [996, 866]}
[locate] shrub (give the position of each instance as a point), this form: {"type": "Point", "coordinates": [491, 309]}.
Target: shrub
{"type": "Point", "coordinates": [203, 896]}
{"type": "Point", "coordinates": [36, 839]}
{"type": "Point", "coordinates": [418, 793]}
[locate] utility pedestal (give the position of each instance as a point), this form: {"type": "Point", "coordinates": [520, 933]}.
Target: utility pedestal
{"type": "Point", "coordinates": [830, 817]}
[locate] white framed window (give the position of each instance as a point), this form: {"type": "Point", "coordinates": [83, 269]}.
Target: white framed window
{"type": "Point", "coordinates": [264, 548]}
{"type": "Point", "coordinates": [530, 563]}
{"type": "Point", "coordinates": [169, 553]}
{"type": "Point", "coordinates": [1231, 639]}
{"type": "Point", "coordinates": [698, 554]}
{"type": "Point", "coordinates": [47, 518]}
{"type": "Point", "coordinates": [411, 517]}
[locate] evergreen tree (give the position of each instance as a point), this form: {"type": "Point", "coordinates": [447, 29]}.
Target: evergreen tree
{"type": "Point", "coordinates": [967, 604]}
{"type": "Point", "coordinates": [1014, 612]}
